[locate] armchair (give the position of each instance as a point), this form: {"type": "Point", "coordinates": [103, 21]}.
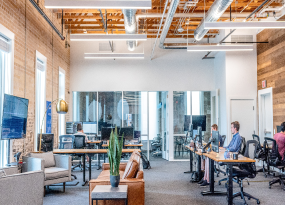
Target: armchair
{"type": "Point", "coordinates": [14, 185]}
{"type": "Point", "coordinates": [56, 168]}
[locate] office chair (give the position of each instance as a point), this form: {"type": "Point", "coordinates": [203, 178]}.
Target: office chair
{"type": "Point", "coordinates": [79, 143]}
{"type": "Point", "coordinates": [156, 146]}
{"type": "Point", "coordinates": [178, 145]}
{"type": "Point", "coordinates": [268, 152]}
{"type": "Point", "coordinates": [276, 161]}
{"type": "Point", "coordinates": [67, 142]}
{"type": "Point", "coordinates": [247, 170]}
{"type": "Point", "coordinates": [47, 142]}
{"type": "Point", "coordinates": [260, 154]}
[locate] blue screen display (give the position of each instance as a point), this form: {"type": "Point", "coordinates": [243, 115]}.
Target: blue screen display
{"type": "Point", "coordinates": [14, 120]}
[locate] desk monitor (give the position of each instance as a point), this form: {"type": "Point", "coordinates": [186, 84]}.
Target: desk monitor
{"type": "Point", "coordinates": [128, 133]}
{"type": "Point", "coordinates": [137, 134]}
{"type": "Point", "coordinates": [90, 127]}
{"type": "Point", "coordinates": [106, 132]}
{"type": "Point", "coordinates": [187, 122]}
{"type": "Point", "coordinates": [278, 129]}
{"type": "Point", "coordinates": [71, 127]}
{"type": "Point", "coordinates": [199, 120]}
{"type": "Point", "coordinates": [215, 141]}
{"type": "Point", "coordinates": [199, 133]}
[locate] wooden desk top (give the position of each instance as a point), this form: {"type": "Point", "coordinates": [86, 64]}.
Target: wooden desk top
{"type": "Point", "coordinates": [199, 152]}
{"type": "Point", "coordinates": [213, 155]}
{"type": "Point", "coordinates": [127, 145]}
{"type": "Point", "coordinates": [94, 142]}
{"type": "Point", "coordinates": [88, 151]}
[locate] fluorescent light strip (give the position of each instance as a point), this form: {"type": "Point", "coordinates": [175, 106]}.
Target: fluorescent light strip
{"type": "Point", "coordinates": [245, 25]}
{"type": "Point", "coordinates": [98, 4]}
{"type": "Point", "coordinates": [113, 55]}
{"type": "Point", "coordinates": [219, 48]}
{"type": "Point", "coordinates": [108, 37]}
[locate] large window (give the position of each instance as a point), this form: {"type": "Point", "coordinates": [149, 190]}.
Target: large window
{"type": "Point", "coordinates": [61, 95]}
{"type": "Point", "coordinates": [5, 85]}
{"type": "Point", "coordinates": [41, 62]}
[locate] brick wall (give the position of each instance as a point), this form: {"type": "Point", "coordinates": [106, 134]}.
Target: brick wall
{"type": "Point", "coordinates": [270, 67]}
{"type": "Point", "coordinates": [33, 33]}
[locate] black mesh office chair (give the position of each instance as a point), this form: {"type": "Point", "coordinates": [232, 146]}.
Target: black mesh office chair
{"type": "Point", "coordinates": [79, 143]}
{"type": "Point", "coordinates": [267, 149]}
{"type": "Point", "coordinates": [247, 170]}
{"type": "Point", "coordinates": [275, 160]}
{"type": "Point", "coordinates": [218, 169]}
{"type": "Point", "coordinates": [47, 142]}
{"type": "Point", "coordinates": [260, 154]}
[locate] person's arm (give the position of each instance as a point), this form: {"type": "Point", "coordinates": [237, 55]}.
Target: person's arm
{"type": "Point", "coordinates": [236, 145]}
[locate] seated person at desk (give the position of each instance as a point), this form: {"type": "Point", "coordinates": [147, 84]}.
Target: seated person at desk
{"type": "Point", "coordinates": [205, 181]}
{"type": "Point", "coordinates": [236, 142]}
{"type": "Point", "coordinates": [80, 132]}
{"type": "Point", "coordinates": [280, 140]}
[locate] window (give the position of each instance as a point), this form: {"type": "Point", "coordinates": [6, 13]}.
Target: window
{"type": "Point", "coordinates": [6, 56]}
{"type": "Point", "coordinates": [40, 94]}
{"type": "Point", "coordinates": [61, 95]}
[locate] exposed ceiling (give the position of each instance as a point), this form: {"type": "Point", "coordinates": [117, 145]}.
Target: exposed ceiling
{"type": "Point", "coordinates": [79, 21]}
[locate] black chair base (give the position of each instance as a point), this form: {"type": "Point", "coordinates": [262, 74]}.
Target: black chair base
{"type": "Point", "coordinates": [279, 180]}
{"type": "Point", "coordinates": [242, 195]}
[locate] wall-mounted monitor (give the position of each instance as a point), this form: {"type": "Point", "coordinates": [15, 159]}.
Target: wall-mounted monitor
{"type": "Point", "coordinates": [14, 119]}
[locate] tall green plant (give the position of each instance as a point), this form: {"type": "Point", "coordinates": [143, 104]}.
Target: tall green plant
{"type": "Point", "coordinates": [114, 152]}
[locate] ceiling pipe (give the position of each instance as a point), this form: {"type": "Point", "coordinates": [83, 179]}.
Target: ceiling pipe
{"type": "Point", "coordinates": [214, 13]}
{"type": "Point", "coordinates": [130, 26]}
{"type": "Point", "coordinates": [47, 19]}
{"type": "Point", "coordinates": [168, 21]}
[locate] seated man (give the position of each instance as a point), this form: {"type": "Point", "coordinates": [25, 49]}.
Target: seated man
{"type": "Point", "coordinates": [236, 142]}
{"type": "Point", "coordinates": [280, 140]}
{"type": "Point", "coordinates": [80, 132]}
{"type": "Point", "coordinates": [205, 181]}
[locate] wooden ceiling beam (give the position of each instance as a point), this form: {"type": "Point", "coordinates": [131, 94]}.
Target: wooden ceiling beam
{"type": "Point", "coordinates": [95, 16]}
{"type": "Point", "coordinates": [93, 22]}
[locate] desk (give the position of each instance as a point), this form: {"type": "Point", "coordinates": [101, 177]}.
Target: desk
{"type": "Point", "coordinates": [89, 152]}
{"type": "Point", "coordinates": [199, 164]}
{"type": "Point", "coordinates": [229, 162]}
{"type": "Point", "coordinates": [94, 142]}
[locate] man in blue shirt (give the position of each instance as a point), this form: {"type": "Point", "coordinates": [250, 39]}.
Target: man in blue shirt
{"type": "Point", "coordinates": [236, 141]}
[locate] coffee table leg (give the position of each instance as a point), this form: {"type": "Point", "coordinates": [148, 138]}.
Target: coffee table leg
{"type": "Point", "coordinates": [96, 202]}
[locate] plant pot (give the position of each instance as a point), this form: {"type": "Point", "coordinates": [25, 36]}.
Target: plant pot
{"type": "Point", "coordinates": [115, 180]}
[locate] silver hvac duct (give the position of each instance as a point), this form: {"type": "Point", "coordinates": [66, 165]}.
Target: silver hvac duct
{"type": "Point", "coordinates": [215, 12]}
{"type": "Point", "coordinates": [130, 25]}
{"type": "Point", "coordinates": [168, 20]}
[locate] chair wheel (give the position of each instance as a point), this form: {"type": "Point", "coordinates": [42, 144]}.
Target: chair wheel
{"type": "Point", "coordinates": [265, 175]}
{"type": "Point", "coordinates": [225, 174]}
{"type": "Point", "coordinates": [217, 175]}
{"type": "Point", "coordinates": [219, 183]}
{"type": "Point", "coordinates": [248, 198]}
{"type": "Point", "coordinates": [269, 187]}
{"type": "Point", "coordinates": [258, 202]}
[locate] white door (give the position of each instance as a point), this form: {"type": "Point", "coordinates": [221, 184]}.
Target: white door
{"type": "Point", "coordinates": [243, 112]}
{"type": "Point", "coordinates": [265, 113]}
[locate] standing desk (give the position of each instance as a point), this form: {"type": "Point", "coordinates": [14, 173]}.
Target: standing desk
{"type": "Point", "coordinates": [191, 163]}
{"type": "Point", "coordinates": [229, 162]}
{"type": "Point", "coordinates": [89, 152]}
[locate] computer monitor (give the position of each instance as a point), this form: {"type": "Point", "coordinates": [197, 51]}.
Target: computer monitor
{"type": "Point", "coordinates": [199, 120]}
{"type": "Point", "coordinates": [199, 133]}
{"type": "Point", "coordinates": [106, 132]}
{"type": "Point", "coordinates": [128, 133]}
{"type": "Point", "coordinates": [71, 127]}
{"type": "Point", "coordinates": [187, 122]}
{"type": "Point", "coordinates": [278, 129]}
{"type": "Point", "coordinates": [215, 141]}
{"type": "Point", "coordinates": [137, 134]}
{"type": "Point", "coordinates": [90, 127]}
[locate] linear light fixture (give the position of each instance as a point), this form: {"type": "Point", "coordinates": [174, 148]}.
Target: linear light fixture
{"type": "Point", "coordinates": [108, 37]}
{"type": "Point", "coordinates": [98, 4]}
{"type": "Point", "coordinates": [113, 55]}
{"type": "Point", "coordinates": [218, 47]}
{"type": "Point", "coordinates": [245, 25]}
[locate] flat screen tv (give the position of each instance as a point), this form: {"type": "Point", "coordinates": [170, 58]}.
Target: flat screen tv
{"type": "Point", "coordinates": [14, 119]}
{"type": "Point", "coordinates": [199, 121]}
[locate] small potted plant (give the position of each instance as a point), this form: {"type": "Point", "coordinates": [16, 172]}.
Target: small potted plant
{"type": "Point", "coordinates": [114, 154]}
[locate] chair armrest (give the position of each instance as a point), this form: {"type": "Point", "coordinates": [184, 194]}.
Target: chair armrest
{"type": "Point", "coordinates": [106, 166]}
{"type": "Point", "coordinates": [22, 188]}
{"type": "Point", "coordinates": [63, 161]}
{"type": "Point", "coordinates": [32, 164]}
{"type": "Point", "coordinates": [10, 170]}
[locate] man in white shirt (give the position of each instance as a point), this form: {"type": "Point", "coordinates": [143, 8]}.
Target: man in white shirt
{"type": "Point", "coordinates": [80, 132]}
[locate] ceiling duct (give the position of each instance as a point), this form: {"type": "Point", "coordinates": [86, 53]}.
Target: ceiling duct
{"type": "Point", "coordinates": [130, 25]}
{"type": "Point", "coordinates": [168, 20]}
{"type": "Point", "coordinates": [215, 12]}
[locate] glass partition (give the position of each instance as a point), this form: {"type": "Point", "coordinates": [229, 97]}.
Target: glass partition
{"type": "Point", "coordinates": [185, 105]}
{"type": "Point", "coordinates": [85, 106]}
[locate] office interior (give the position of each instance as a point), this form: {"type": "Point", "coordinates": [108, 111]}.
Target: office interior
{"type": "Point", "coordinates": [155, 87]}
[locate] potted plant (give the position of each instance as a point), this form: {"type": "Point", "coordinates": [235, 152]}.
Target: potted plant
{"type": "Point", "coordinates": [114, 154]}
